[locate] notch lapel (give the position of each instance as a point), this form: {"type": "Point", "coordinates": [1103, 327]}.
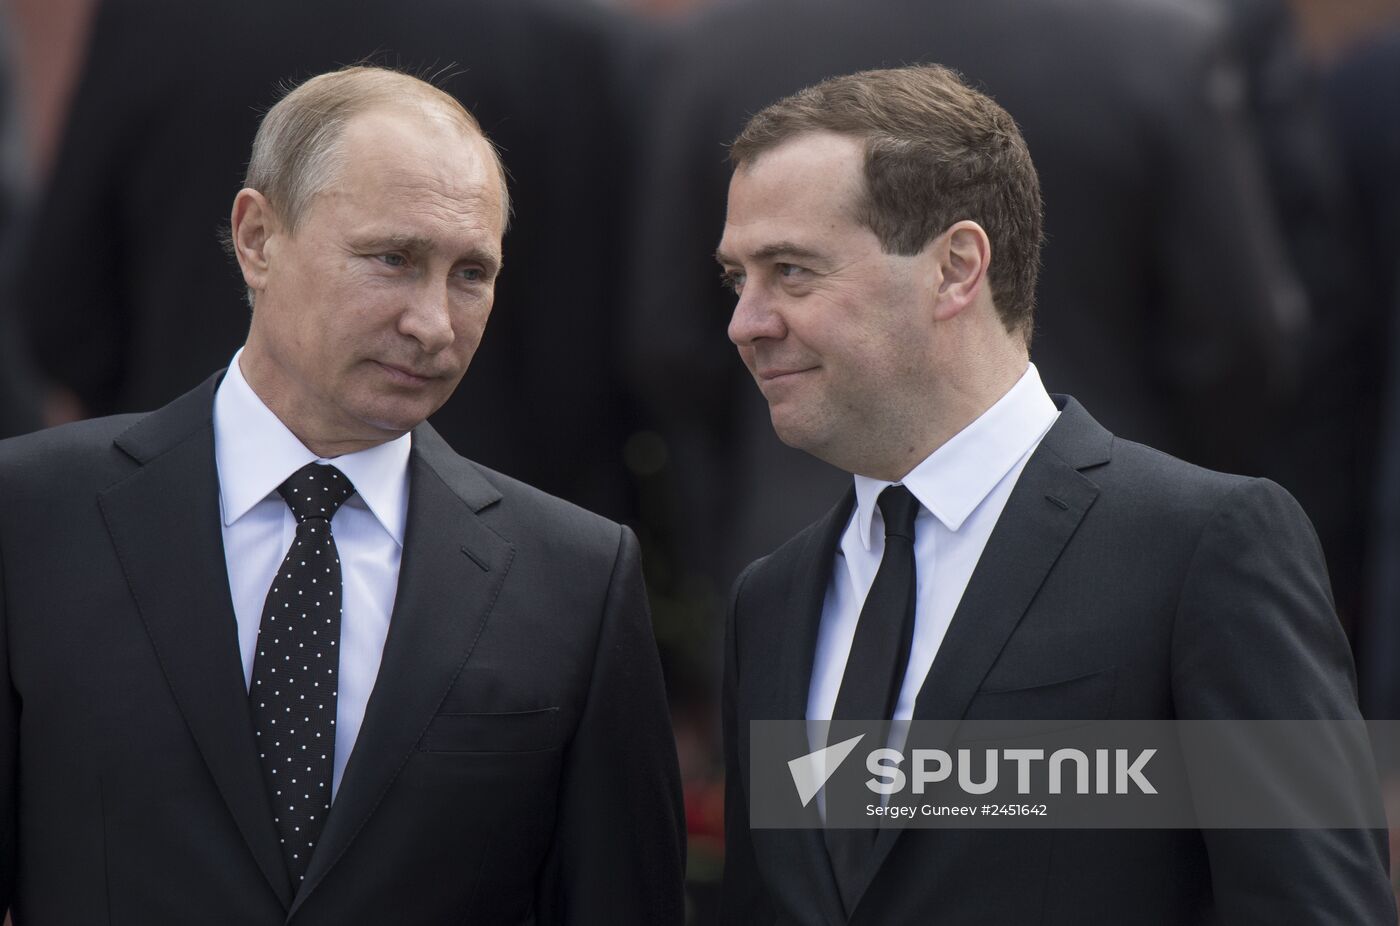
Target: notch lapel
{"type": "Point", "coordinates": [452, 570]}
{"type": "Point", "coordinates": [1044, 510]}
{"type": "Point", "coordinates": [164, 523]}
{"type": "Point", "coordinates": [796, 642]}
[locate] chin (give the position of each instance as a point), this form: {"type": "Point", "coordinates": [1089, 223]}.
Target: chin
{"type": "Point", "coordinates": [395, 409]}
{"type": "Point", "coordinates": [795, 433]}
{"type": "Point", "coordinates": [810, 434]}
{"type": "Point", "coordinates": [395, 420]}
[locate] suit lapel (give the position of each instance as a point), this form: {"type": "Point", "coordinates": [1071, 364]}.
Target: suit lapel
{"type": "Point", "coordinates": [1045, 508]}
{"type": "Point", "coordinates": [452, 569]}
{"type": "Point", "coordinates": [164, 523]}
{"type": "Point", "coordinates": [1050, 499]}
{"type": "Point", "coordinates": [784, 623]}
{"type": "Point", "coordinates": [796, 642]}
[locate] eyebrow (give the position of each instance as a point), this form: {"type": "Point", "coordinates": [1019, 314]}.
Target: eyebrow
{"type": "Point", "coordinates": [770, 251]}
{"type": "Point", "coordinates": [402, 241]}
{"type": "Point", "coordinates": [419, 244]}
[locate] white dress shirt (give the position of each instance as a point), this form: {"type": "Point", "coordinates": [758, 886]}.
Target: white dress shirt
{"type": "Point", "coordinates": [962, 488]}
{"type": "Point", "coordinates": [255, 453]}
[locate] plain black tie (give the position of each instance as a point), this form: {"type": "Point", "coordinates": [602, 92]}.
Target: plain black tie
{"type": "Point", "coordinates": [297, 666]}
{"type": "Point", "coordinates": [875, 668]}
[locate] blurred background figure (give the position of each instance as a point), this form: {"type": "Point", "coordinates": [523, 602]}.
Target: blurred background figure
{"type": "Point", "coordinates": [1223, 171]}
{"type": "Point", "coordinates": [1338, 401]}
{"type": "Point", "coordinates": [29, 113]}
{"type": "Point", "coordinates": [1364, 103]}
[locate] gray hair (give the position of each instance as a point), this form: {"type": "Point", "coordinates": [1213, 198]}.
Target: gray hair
{"type": "Point", "coordinates": [297, 151]}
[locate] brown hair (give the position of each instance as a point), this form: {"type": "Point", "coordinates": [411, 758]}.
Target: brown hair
{"type": "Point", "coordinates": [936, 152]}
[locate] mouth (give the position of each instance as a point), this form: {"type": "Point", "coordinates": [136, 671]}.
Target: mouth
{"type": "Point", "coordinates": [404, 376]}
{"type": "Point", "coordinates": [779, 374]}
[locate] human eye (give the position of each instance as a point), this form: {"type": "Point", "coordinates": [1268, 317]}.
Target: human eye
{"type": "Point", "coordinates": [732, 280]}
{"type": "Point", "coordinates": [392, 259]}
{"type": "Point", "coordinates": [472, 274]}
{"type": "Point", "coordinates": [789, 271]}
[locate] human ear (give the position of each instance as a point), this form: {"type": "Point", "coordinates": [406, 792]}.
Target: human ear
{"type": "Point", "coordinates": [251, 227]}
{"type": "Point", "coordinates": [963, 254]}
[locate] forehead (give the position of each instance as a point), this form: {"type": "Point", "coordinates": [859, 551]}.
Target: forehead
{"type": "Point", "coordinates": [417, 164]}
{"type": "Point", "coordinates": [809, 184]}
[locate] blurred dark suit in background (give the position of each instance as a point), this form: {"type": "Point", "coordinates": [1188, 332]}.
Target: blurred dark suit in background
{"type": "Point", "coordinates": [1364, 104]}
{"type": "Point", "coordinates": [131, 301]}
{"type": "Point", "coordinates": [1166, 296]}
{"type": "Point", "coordinates": [1325, 449]}
{"type": "Point", "coordinates": [18, 398]}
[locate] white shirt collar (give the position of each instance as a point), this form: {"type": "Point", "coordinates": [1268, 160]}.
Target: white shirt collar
{"type": "Point", "coordinates": [953, 480]}
{"type": "Point", "coordinates": [255, 453]}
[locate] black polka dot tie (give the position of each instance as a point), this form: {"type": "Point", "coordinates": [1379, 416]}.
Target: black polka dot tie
{"type": "Point", "coordinates": [296, 666]}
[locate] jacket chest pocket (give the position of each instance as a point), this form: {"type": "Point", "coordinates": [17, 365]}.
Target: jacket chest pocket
{"type": "Point", "coordinates": [514, 731]}
{"type": "Point", "coordinates": [1082, 696]}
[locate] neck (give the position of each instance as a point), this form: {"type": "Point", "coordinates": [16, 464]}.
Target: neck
{"type": "Point", "coordinates": [330, 449]}
{"type": "Point", "coordinates": [956, 404]}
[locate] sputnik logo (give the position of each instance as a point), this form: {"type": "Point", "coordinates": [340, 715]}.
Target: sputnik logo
{"type": "Point", "coordinates": [812, 771]}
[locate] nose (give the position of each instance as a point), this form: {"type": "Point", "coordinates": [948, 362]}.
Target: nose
{"type": "Point", "coordinates": [756, 317]}
{"type": "Point", "coordinates": [428, 318]}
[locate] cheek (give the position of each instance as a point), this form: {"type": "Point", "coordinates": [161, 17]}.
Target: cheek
{"type": "Point", "coordinates": [469, 323]}
{"type": "Point", "coordinates": [472, 325]}
{"type": "Point", "coordinates": [360, 316]}
{"type": "Point", "coordinates": [301, 334]}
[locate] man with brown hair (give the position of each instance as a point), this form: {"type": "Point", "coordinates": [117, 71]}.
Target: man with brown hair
{"type": "Point", "coordinates": [274, 653]}
{"type": "Point", "coordinates": [1000, 554]}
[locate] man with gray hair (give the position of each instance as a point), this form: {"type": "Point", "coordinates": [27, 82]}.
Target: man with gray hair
{"type": "Point", "coordinates": [274, 653]}
{"type": "Point", "coordinates": [999, 554]}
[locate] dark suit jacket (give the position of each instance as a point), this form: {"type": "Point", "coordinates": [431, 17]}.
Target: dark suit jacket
{"type": "Point", "coordinates": [515, 764]}
{"type": "Point", "coordinates": [1119, 583]}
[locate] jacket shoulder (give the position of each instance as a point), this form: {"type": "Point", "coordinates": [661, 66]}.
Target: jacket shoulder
{"type": "Point", "coordinates": [547, 518]}
{"type": "Point", "coordinates": [1158, 479]}
{"type": "Point", "coordinates": [82, 450]}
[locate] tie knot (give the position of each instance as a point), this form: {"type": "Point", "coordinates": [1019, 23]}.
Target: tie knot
{"type": "Point", "coordinates": [899, 508]}
{"type": "Point", "coordinates": [315, 491]}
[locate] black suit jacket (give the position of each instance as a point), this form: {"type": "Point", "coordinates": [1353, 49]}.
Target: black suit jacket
{"type": "Point", "coordinates": [515, 763]}
{"type": "Point", "coordinates": [1118, 583]}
